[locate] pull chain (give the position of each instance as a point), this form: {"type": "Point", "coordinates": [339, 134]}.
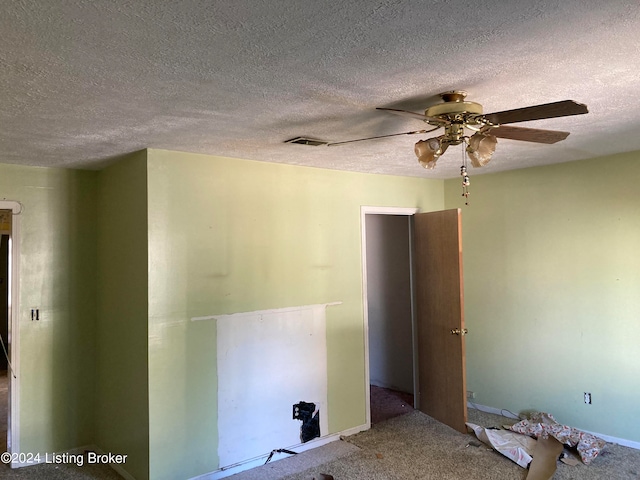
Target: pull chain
{"type": "Point", "coordinates": [465, 177]}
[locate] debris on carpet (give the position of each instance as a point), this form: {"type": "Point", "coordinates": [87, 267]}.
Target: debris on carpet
{"type": "Point", "coordinates": [543, 425]}
{"type": "Point", "coordinates": [514, 446]}
{"type": "Point", "coordinates": [540, 454]}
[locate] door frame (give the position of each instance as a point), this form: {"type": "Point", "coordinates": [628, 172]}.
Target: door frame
{"type": "Point", "coordinates": [372, 210]}
{"type": "Point", "coordinates": [13, 427]}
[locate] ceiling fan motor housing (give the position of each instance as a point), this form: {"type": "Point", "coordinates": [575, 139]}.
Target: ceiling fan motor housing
{"type": "Point", "coordinates": [448, 109]}
{"type": "Point", "coordinates": [456, 114]}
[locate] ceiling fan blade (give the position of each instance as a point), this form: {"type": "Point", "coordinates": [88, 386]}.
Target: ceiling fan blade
{"type": "Point", "coordinates": [527, 134]}
{"type": "Point", "coordinates": [418, 116]}
{"type": "Point", "coordinates": [381, 136]}
{"type": "Point", "coordinates": [564, 108]}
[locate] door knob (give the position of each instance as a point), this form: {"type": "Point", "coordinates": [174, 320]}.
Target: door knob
{"type": "Point", "coordinates": [457, 331]}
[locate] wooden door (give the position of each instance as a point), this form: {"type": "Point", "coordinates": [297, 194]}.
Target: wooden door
{"type": "Point", "coordinates": [439, 311]}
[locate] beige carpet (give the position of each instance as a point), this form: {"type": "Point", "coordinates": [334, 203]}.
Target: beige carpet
{"type": "Point", "coordinates": [411, 446]}
{"type": "Point", "coordinates": [414, 446]}
{"type": "Point", "coordinates": [387, 403]}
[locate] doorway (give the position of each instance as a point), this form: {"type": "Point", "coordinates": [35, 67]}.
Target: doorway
{"type": "Point", "coordinates": [437, 314]}
{"type": "Point", "coordinates": [9, 291]}
{"type": "Point", "coordinates": [5, 235]}
{"type": "Point", "coordinates": [387, 273]}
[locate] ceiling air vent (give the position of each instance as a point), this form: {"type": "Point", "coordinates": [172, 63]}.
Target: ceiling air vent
{"type": "Point", "coordinates": [306, 141]}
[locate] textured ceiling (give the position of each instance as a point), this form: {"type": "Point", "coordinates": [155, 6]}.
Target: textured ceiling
{"type": "Point", "coordinates": [85, 81]}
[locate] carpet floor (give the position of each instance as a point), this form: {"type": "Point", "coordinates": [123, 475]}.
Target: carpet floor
{"type": "Point", "coordinates": [405, 445]}
{"type": "Point", "coordinates": [387, 403]}
{"type": "Point", "coordinates": [415, 446]}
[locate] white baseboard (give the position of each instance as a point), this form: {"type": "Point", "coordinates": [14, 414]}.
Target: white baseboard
{"type": "Point", "coordinates": [505, 413]}
{"type": "Point", "coordinates": [496, 411]}
{"type": "Point", "coordinates": [258, 461]}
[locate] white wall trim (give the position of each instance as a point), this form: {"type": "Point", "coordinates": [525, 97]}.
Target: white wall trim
{"type": "Point", "coordinates": [14, 206]}
{"type": "Point", "coordinates": [258, 461]}
{"type": "Point", "coordinates": [364, 211]}
{"type": "Point", "coordinates": [506, 413]}
{"type": "Point", "coordinates": [13, 437]}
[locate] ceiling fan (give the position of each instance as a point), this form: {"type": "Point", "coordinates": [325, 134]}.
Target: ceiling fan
{"type": "Point", "coordinates": [455, 115]}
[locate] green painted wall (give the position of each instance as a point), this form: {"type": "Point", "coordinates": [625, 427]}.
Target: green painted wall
{"type": "Point", "coordinates": [552, 282]}
{"type": "Point", "coordinates": [228, 235]}
{"type": "Point", "coordinates": [57, 273]}
{"type": "Point", "coordinates": [122, 400]}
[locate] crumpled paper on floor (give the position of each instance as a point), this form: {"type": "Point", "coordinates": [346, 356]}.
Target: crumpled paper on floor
{"type": "Point", "coordinates": [544, 425]}
{"type": "Point", "coordinates": [514, 446]}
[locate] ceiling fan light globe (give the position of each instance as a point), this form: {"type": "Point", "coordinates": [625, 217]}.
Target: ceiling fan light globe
{"type": "Point", "coordinates": [428, 151]}
{"type": "Point", "coordinates": [481, 148]}
{"type": "Point", "coordinates": [428, 162]}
